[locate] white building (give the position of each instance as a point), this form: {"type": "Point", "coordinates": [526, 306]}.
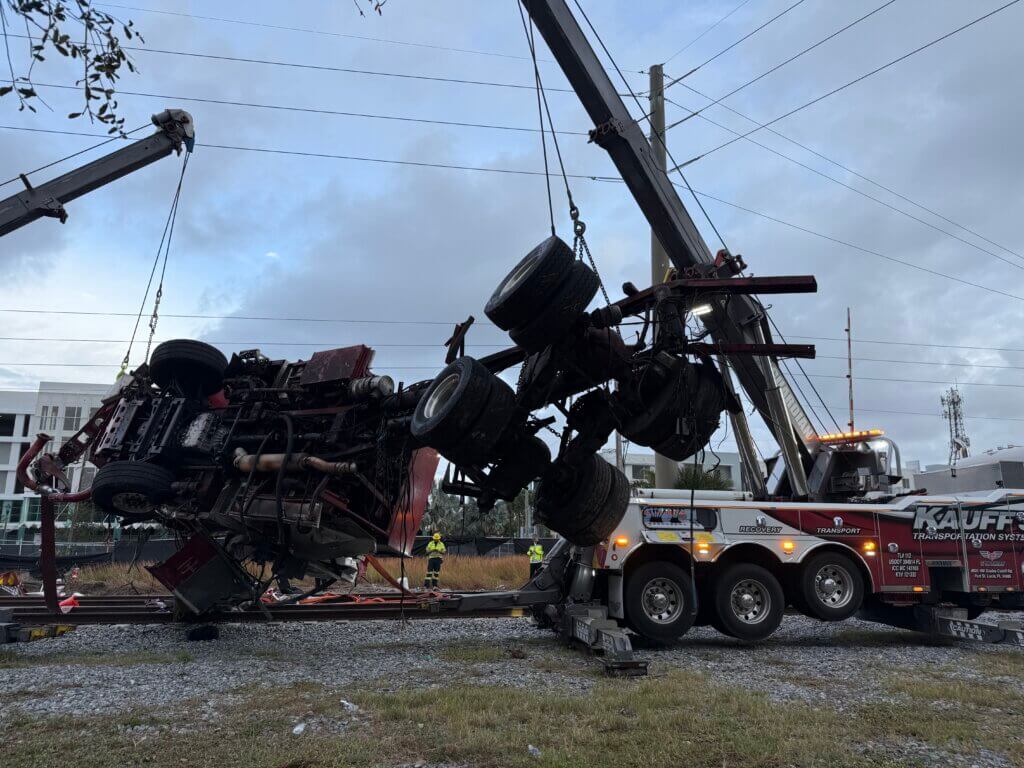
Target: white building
{"type": "Point", "coordinates": [59, 409]}
{"type": "Point", "coordinates": [639, 467]}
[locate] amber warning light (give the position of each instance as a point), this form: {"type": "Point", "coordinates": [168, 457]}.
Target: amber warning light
{"type": "Point", "coordinates": [851, 437]}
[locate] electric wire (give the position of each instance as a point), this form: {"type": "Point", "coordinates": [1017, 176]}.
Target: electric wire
{"type": "Point", "coordinates": [747, 36]}
{"type": "Point", "coordinates": [856, 80]}
{"type": "Point", "coordinates": [702, 34]}
{"type": "Point", "coordinates": [593, 177]}
{"type": "Point", "coordinates": [853, 189]}
{"type": "Point", "coordinates": [780, 65]}
{"type": "Point", "coordinates": [310, 31]}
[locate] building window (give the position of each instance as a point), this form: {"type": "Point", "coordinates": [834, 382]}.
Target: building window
{"type": "Point", "coordinates": [7, 424]}
{"type": "Point", "coordinates": [3, 481]}
{"type": "Point", "coordinates": [48, 418]}
{"type": "Point", "coordinates": [72, 418]}
{"type": "Point", "coordinates": [34, 510]}
{"type": "Point", "coordinates": [26, 424]}
{"type": "Point", "coordinates": [9, 453]}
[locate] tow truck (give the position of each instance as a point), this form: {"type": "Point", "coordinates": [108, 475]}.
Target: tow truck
{"type": "Point", "coordinates": [822, 532]}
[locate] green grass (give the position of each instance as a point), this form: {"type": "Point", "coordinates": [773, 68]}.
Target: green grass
{"type": "Point", "coordinates": [12, 660]}
{"type": "Point", "coordinates": [679, 718]}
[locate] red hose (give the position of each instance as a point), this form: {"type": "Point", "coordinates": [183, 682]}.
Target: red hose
{"type": "Point", "coordinates": [26, 479]}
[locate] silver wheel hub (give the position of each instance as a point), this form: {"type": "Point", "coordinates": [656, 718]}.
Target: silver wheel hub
{"type": "Point", "coordinates": [750, 601]}
{"type": "Point", "coordinates": [441, 395]}
{"type": "Point", "coordinates": [513, 280]}
{"type": "Point", "coordinates": [662, 601]}
{"type": "Point", "coordinates": [833, 586]}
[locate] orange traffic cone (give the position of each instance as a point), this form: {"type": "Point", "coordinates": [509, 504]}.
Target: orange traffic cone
{"type": "Point", "coordinates": [67, 604]}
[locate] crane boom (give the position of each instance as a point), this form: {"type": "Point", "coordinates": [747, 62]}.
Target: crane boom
{"type": "Point", "coordinates": [740, 319]}
{"type": "Point", "coordinates": [175, 129]}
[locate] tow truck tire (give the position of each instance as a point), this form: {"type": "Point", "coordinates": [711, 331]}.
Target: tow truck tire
{"type": "Point", "coordinates": [554, 320]}
{"type": "Point", "coordinates": [196, 367]}
{"type": "Point", "coordinates": [530, 285]}
{"type": "Point", "coordinates": [831, 587]}
{"type": "Point", "coordinates": [131, 489]}
{"type": "Point", "coordinates": [586, 510]}
{"type": "Point", "coordinates": [463, 412]}
{"type": "Point", "coordinates": [748, 602]}
{"type": "Point", "coordinates": [659, 601]}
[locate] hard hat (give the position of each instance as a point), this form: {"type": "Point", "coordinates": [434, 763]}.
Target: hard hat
{"type": "Point", "coordinates": [437, 537]}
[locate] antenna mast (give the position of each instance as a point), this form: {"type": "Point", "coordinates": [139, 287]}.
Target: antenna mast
{"type": "Point", "coordinates": [953, 411]}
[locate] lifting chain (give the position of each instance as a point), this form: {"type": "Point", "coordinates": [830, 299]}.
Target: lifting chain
{"type": "Point", "coordinates": [580, 247]}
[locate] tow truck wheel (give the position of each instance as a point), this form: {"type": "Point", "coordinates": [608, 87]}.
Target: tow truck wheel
{"type": "Point", "coordinates": [196, 367]}
{"type": "Point", "coordinates": [659, 601]}
{"type": "Point", "coordinates": [131, 489]}
{"type": "Point", "coordinates": [748, 602]}
{"type": "Point", "coordinates": [530, 285]}
{"type": "Point", "coordinates": [586, 509]}
{"type": "Point", "coordinates": [463, 412]}
{"type": "Point", "coordinates": [831, 587]}
{"type": "Point", "coordinates": [557, 317]}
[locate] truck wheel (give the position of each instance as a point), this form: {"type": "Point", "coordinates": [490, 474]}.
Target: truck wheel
{"type": "Point", "coordinates": [748, 602]}
{"type": "Point", "coordinates": [588, 508]}
{"type": "Point", "coordinates": [530, 285]}
{"type": "Point", "coordinates": [558, 316]}
{"type": "Point", "coordinates": [831, 587]}
{"type": "Point", "coordinates": [463, 412]}
{"type": "Point", "coordinates": [659, 601]}
{"type": "Point", "coordinates": [197, 368]}
{"type": "Point", "coordinates": [131, 489]}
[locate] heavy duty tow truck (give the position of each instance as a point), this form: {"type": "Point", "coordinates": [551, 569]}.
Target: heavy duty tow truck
{"type": "Point", "coordinates": [314, 466]}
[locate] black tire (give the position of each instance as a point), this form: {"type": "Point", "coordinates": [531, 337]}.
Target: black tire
{"type": "Point", "coordinates": [831, 587]}
{"type": "Point", "coordinates": [765, 611]}
{"type": "Point", "coordinates": [553, 321]}
{"type": "Point", "coordinates": [659, 585]}
{"type": "Point", "coordinates": [588, 508]}
{"type": "Point", "coordinates": [197, 368]}
{"type": "Point", "coordinates": [527, 460]}
{"type": "Point", "coordinates": [464, 412]}
{"type": "Point", "coordinates": [528, 288]}
{"type": "Point", "coordinates": [131, 489]}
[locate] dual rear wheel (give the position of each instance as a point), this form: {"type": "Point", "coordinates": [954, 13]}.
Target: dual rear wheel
{"type": "Point", "coordinates": [742, 599]}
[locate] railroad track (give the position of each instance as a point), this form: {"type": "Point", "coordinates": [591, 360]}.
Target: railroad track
{"type": "Point", "coordinates": [159, 609]}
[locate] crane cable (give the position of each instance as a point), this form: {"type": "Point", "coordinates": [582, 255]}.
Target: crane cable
{"type": "Point", "coordinates": [163, 249]}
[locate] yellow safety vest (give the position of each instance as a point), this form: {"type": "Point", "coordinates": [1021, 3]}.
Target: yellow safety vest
{"type": "Point", "coordinates": [435, 548]}
{"type": "Point", "coordinates": [536, 553]}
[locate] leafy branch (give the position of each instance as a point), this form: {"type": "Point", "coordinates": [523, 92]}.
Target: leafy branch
{"type": "Point", "coordinates": [75, 30]}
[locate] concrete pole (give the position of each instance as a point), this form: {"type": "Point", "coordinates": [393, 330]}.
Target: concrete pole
{"type": "Point", "coordinates": [665, 469]}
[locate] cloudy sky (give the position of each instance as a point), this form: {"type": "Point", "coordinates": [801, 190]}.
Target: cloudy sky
{"type": "Point", "coordinates": [391, 253]}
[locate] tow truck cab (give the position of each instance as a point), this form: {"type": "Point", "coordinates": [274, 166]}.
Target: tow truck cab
{"type": "Point", "coordinates": [724, 559]}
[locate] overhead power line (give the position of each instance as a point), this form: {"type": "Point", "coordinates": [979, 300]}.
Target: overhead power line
{"type": "Point", "coordinates": [778, 66]}
{"type": "Point", "coordinates": [918, 362]}
{"type": "Point", "coordinates": [968, 347]}
{"type": "Point", "coordinates": [852, 188]}
{"type": "Point", "coordinates": [843, 87]}
{"type": "Point", "coordinates": [323, 67]}
{"type": "Point", "coordinates": [702, 34]}
{"type": "Point", "coordinates": [935, 415]}
{"type": "Point", "coordinates": [747, 36]}
{"type": "Point", "coordinates": [323, 32]}
{"type": "Point", "coordinates": [600, 178]}
{"type": "Point", "coordinates": [315, 111]}
{"type": "Point", "coordinates": [918, 381]}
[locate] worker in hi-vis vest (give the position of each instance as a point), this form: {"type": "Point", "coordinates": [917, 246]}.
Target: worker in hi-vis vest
{"type": "Point", "coordinates": [536, 555]}
{"type": "Point", "coordinates": [435, 556]}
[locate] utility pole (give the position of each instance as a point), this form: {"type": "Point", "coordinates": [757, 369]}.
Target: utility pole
{"type": "Point", "coordinates": [849, 362]}
{"type": "Point", "coordinates": [665, 469]}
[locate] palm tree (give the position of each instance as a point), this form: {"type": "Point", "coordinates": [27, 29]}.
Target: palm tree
{"type": "Point", "coordinates": [697, 478]}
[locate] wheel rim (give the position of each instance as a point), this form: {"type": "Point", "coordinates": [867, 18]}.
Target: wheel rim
{"type": "Point", "coordinates": [750, 601]}
{"type": "Point", "coordinates": [662, 601]}
{"type": "Point", "coordinates": [514, 279]}
{"type": "Point", "coordinates": [833, 586]}
{"type": "Point", "coordinates": [441, 395]}
{"type": "Point", "coordinates": [131, 503]}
